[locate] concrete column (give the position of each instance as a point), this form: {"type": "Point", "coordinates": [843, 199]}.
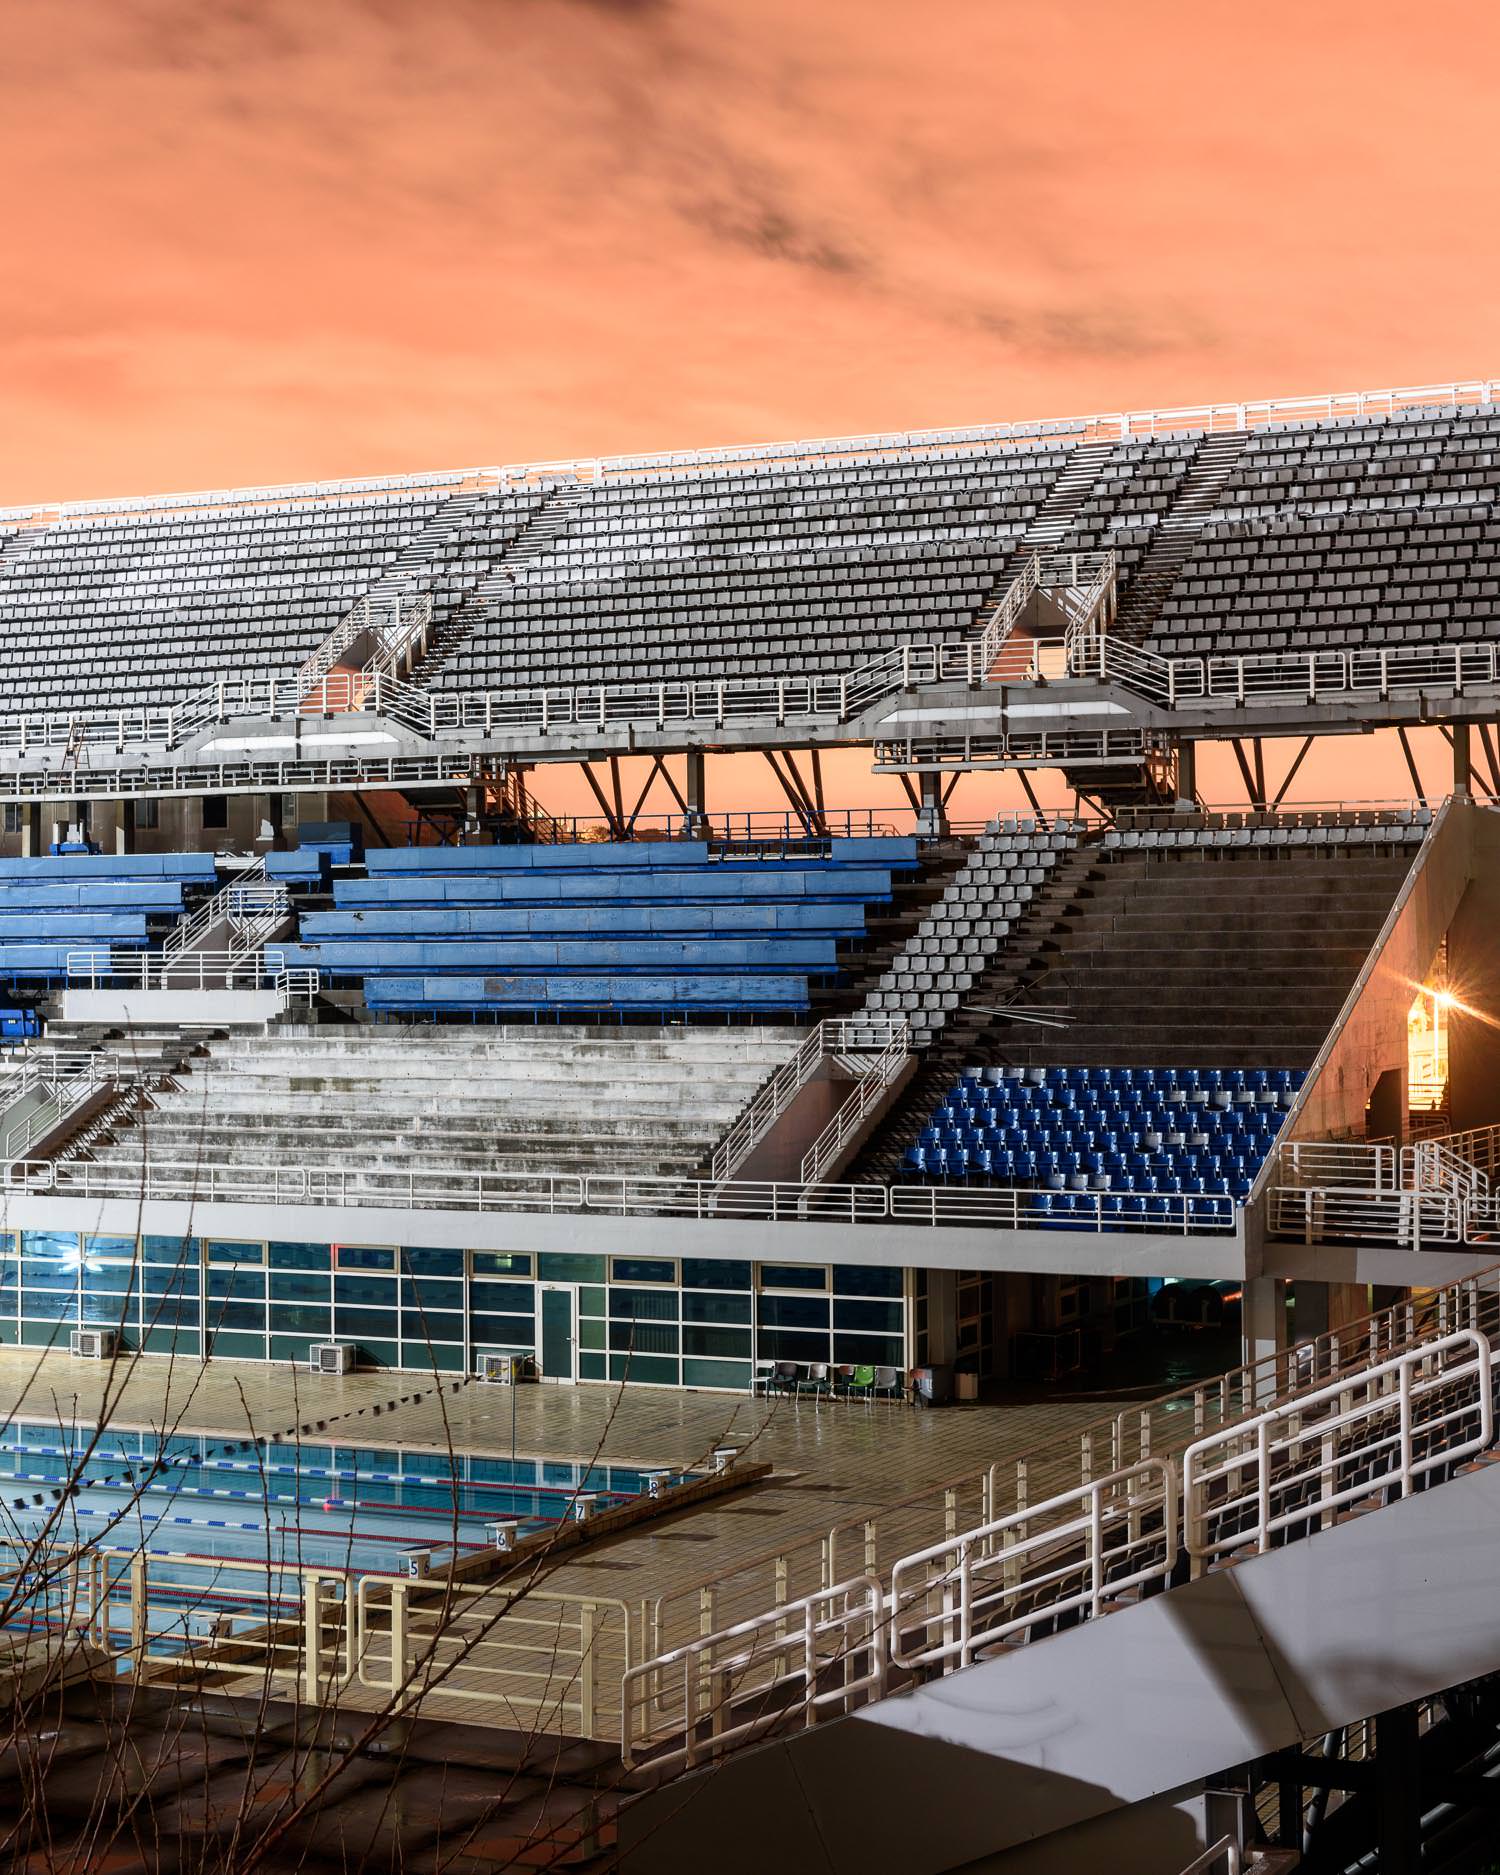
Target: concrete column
{"type": "Point", "coordinates": [932, 816]}
{"type": "Point", "coordinates": [1263, 1323]}
{"type": "Point", "coordinates": [1187, 777]}
{"type": "Point", "coordinates": [113, 826]}
{"type": "Point", "coordinates": [1461, 755]}
{"type": "Point", "coordinates": [942, 1316]}
{"type": "Point", "coordinates": [32, 846]}
{"type": "Point", "coordinates": [1310, 1310]}
{"type": "Point", "coordinates": [695, 820]}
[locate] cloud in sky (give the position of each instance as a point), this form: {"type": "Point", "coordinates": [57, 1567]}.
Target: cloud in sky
{"type": "Point", "coordinates": [260, 240]}
{"type": "Point", "coordinates": [272, 241]}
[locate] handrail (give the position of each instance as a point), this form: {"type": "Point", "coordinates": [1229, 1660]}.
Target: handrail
{"type": "Point", "coordinates": [1274, 1477]}
{"type": "Point", "coordinates": [869, 1090]}
{"type": "Point", "coordinates": [777, 1093]}
{"type": "Point", "coordinates": [188, 969]}
{"type": "Point", "coordinates": [248, 892]}
{"type": "Point", "coordinates": [928, 1207]}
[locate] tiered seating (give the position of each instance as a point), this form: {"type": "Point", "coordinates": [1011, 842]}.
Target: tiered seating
{"type": "Point", "coordinates": [770, 573]}
{"type": "Point", "coordinates": [1133, 1134]}
{"type": "Point", "coordinates": [51, 906]}
{"type": "Point", "coordinates": [1350, 533]}
{"type": "Point", "coordinates": [968, 926]}
{"type": "Point", "coordinates": [638, 926]}
{"type": "Point", "coordinates": [516, 1101]}
{"type": "Point", "coordinates": [133, 611]}
{"type": "Point", "coordinates": [1310, 535]}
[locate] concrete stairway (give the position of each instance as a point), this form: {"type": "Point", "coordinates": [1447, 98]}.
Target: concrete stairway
{"type": "Point", "coordinates": [444, 1099]}
{"type": "Point", "coordinates": [1164, 958]}
{"type": "Point", "coordinates": [1143, 597]}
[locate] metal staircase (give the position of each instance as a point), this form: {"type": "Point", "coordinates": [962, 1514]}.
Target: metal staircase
{"type": "Point", "coordinates": [550, 518]}
{"type": "Point", "coordinates": [250, 910]}
{"type": "Point", "coordinates": [1144, 595]}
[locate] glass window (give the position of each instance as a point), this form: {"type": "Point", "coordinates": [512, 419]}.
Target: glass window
{"type": "Point", "coordinates": [793, 1276]}
{"type": "Point", "coordinates": [554, 1267]}
{"type": "Point", "coordinates": [114, 1249]}
{"type": "Point", "coordinates": [419, 1262]}
{"type": "Point", "coordinates": [794, 1312]}
{"type": "Point", "coordinates": [299, 1286]}
{"type": "Point", "coordinates": [222, 1250]}
{"type": "Point", "coordinates": [170, 1249]}
{"type": "Point", "coordinates": [251, 1315]}
{"type": "Point", "coordinates": [292, 1318]}
{"type": "Point", "coordinates": [365, 1322]}
{"type": "Point", "coordinates": [242, 1284]}
{"type": "Point", "coordinates": [652, 1305]}
{"type": "Point", "coordinates": [418, 1330]}
{"type": "Point", "coordinates": [300, 1256]}
{"type": "Point", "coordinates": [860, 1279]}
{"type": "Point", "coordinates": [58, 1244]}
{"type": "Point", "coordinates": [643, 1270]}
{"type": "Point", "coordinates": [359, 1256]}
{"type": "Point", "coordinates": [147, 815]}
{"type": "Point", "coordinates": [377, 1291]}
{"type": "Point", "coordinates": [643, 1337]}
{"type": "Point", "coordinates": [508, 1331]}
{"type": "Point", "coordinates": [515, 1296]}
{"type": "Point", "coordinates": [881, 1318]}
{"type": "Point", "coordinates": [711, 1273]}
{"type": "Point", "coordinates": [716, 1341]}
{"type": "Point", "coordinates": [500, 1262]}
{"type": "Point", "coordinates": [706, 1308]}
{"type": "Point", "coordinates": [429, 1292]}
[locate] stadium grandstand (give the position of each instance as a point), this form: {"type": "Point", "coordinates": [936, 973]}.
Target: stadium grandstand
{"type": "Point", "coordinates": [651, 1176]}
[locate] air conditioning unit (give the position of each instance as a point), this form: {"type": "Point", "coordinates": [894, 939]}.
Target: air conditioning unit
{"type": "Point", "coordinates": [93, 1344]}
{"type": "Point", "coordinates": [500, 1367]}
{"type": "Point", "coordinates": [332, 1357]}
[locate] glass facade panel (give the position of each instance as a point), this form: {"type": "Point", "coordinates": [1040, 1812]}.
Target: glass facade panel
{"type": "Point", "coordinates": [793, 1276]}
{"type": "Point", "coordinates": [643, 1270]}
{"type": "Point", "coordinates": [711, 1273]}
{"type": "Point", "coordinates": [703, 1322]}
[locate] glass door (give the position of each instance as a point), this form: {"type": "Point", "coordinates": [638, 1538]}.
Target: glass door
{"type": "Point", "coordinates": [559, 1331]}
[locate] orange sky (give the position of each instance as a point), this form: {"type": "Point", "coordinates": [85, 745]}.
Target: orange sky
{"type": "Point", "coordinates": [262, 240]}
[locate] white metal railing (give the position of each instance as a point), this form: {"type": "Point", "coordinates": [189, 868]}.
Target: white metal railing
{"type": "Point", "coordinates": [1293, 680]}
{"type": "Point", "coordinates": [74, 1080]}
{"type": "Point", "coordinates": [1285, 677]}
{"type": "Point", "coordinates": [250, 906]}
{"type": "Point", "coordinates": [1280, 1473]}
{"type": "Point", "coordinates": [830, 1037]}
{"type": "Point", "coordinates": [197, 969]}
{"type": "Point", "coordinates": [613, 1195]}
{"type": "Point", "coordinates": [866, 1094]}
{"type": "Point", "coordinates": [531, 1656]}
{"type": "Point", "coordinates": [1074, 1554]}
{"type": "Point", "coordinates": [1430, 1193]}
{"type": "Point", "coordinates": [1294, 1467]}
{"type": "Point", "coordinates": [824, 1652]}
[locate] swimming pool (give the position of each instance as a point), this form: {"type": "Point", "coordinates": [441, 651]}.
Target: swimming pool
{"type": "Point", "coordinates": [196, 1505]}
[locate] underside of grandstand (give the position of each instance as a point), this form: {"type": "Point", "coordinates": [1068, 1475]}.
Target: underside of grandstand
{"type": "Point", "coordinates": [325, 1043]}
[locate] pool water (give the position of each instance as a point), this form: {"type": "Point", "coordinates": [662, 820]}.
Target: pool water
{"type": "Point", "coordinates": [352, 1510]}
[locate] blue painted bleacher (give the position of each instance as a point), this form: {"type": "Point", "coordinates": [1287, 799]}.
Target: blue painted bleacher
{"type": "Point", "coordinates": [83, 901]}
{"type": "Point", "coordinates": [1110, 1140]}
{"type": "Point", "coordinates": [647, 925]}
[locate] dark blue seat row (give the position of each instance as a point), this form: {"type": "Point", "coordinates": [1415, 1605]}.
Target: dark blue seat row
{"type": "Point", "coordinates": [90, 901]}
{"type": "Point", "coordinates": [595, 956]}
{"type": "Point", "coordinates": [859, 885]}
{"type": "Point", "coordinates": [189, 868]}
{"type": "Point", "coordinates": [645, 994]}
{"type": "Point", "coordinates": [642, 925]}
{"type": "Point", "coordinates": [894, 854]}
{"type": "Point", "coordinates": [571, 920]}
{"type": "Point", "coordinates": [1122, 1132]}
